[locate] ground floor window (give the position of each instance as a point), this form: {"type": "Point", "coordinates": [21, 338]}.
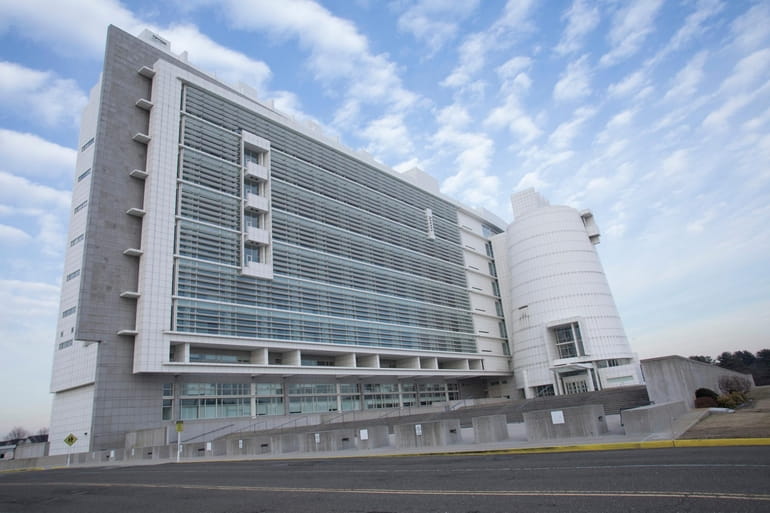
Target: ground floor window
{"type": "Point", "coordinates": [225, 400]}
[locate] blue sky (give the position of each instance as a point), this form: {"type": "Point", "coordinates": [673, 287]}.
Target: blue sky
{"type": "Point", "coordinates": [655, 115]}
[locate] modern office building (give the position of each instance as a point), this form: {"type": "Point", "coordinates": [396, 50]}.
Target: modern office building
{"type": "Point", "coordinates": [226, 262]}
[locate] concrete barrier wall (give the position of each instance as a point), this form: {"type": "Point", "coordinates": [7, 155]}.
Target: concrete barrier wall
{"type": "Point", "coordinates": [676, 378]}
{"type": "Point", "coordinates": [655, 418]}
{"type": "Point", "coordinates": [492, 428]}
{"type": "Point", "coordinates": [59, 460]}
{"type": "Point", "coordinates": [376, 436]}
{"type": "Point", "coordinates": [24, 451]}
{"type": "Point", "coordinates": [573, 422]}
{"type": "Point", "coordinates": [146, 438]}
{"type": "Point", "coordinates": [428, 434]}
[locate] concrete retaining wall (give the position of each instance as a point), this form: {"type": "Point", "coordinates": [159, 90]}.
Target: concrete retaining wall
{"type": "Point", "coordinates": [492, 428]}
{"type": "Point", "coordinates": [676, 378]}
{"type": "Point", "coordinates": [146, 438]}
{"type": "Point", "coordinates": [428, 434]}
{"type": "Point", "coordinates": [24, 451]}
{"type": "Point", "coordinates": [655, 418]}
{"type": "Point", "coordinates": [574, 422]}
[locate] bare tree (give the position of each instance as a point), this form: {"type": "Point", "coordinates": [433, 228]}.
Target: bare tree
{"type": "Point", "coordinates": [42, 431]}
{"type": "Point", "coordinates": [17, 433]}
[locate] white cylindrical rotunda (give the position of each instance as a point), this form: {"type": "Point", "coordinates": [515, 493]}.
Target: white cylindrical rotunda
{"type": "Point", "coordinates": [567, 336]}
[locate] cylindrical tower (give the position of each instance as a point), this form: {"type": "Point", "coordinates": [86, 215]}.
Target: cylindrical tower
{"type": "Point", "coordinates": [566, 332]}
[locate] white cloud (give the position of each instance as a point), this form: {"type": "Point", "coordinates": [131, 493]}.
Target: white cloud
{"type": "Point", "coordinates": [512, 74]}
{"type": "Point", "coordinates": [40, 94]}
{"type": "Point", "coordinates": [698, 225]}
{"type": "Point", "coordinates": [694, 23]}
{"type": "Point", "coordinates": [388, 135]}
{"type": "Point", "coordinates": [756, 123]}
{"type": "Point", "coordinates": [30, 155]}
{"type": "Point", "coordinates": [718, 119]}
{"type": "Point", "coordinates": [621, 119]}
{"type": "Point", "coordinates": [228, 65]}
{"type": "Point", "coordinates": [748, 71]}
{"type": "Point", "coordinates": [614, 125]}
{"type": "Point", "coordinates": [472, 155]}
{"type": "Point", "coordinates": [630, 27]}
{"type": "Point", "coordinates": [686, 81]}
{"type": "Point", "coordinates": [581, 18]}
{"type": "Point", "coordinates": [575, 82]}
{"type": "Point", "coordinates": [677, 163]}
{"type": "Point", "coordinates": [339, 56]}
{"type": "Point", "coordinates": [20, 192]}
{"type": "Point", "coordinates": [752, 29]}
{"type": "Point", "coordinates": [472, 59]}
{"type": "Point", "coordinates": [75, 28]}
{"type": "Point", "coordinates": [513, 22]}
{"type": "Point", "coordinates": [512, 116]}
{"type": "Point", "coordinates": [79, 28]}
{"type": "Point", "coordinates": [11, 236]}
{"type": "Point", "coordinates": [630, 84]}
{"type": "Point", "coordinates": [562, 136]}
{"type": "Point", "coordinates": [531, 180]}
{"type": "Point", "coordinates": [435, 22]}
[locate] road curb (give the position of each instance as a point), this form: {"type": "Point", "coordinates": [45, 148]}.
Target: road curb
{"type": "Point", "coordinates": [615, 446]}
{"type": "Point", "coordinates": [610, 446]}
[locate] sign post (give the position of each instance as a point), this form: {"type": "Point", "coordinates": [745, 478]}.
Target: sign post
{"type": "Point", "coordinates": [70, 441]}
{"type": "Point", "coordinates": [179, 429]}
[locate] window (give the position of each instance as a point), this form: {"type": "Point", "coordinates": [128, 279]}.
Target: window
{"type": "Point", "coordinates": [489, 230]}
{"type": "Point", "coordinates": [495, 288]}
{"type": "Point", "coordinates": [87, 145]}
{"type": "Point", "coordinates": [65, 344]}
{"type": "Point", "coordinates": [257, 188]}
{"type": "Point", "coordinates": [168, 408]}
{"type": "Point", "coordinates": [201, 355]}
{"type": "Point", "coordinates": [253, 254]}
{"type": "Point", "coordinates": [73, 275]}
{"type": "Point", "coordinates": [81, 206]}
{"type": "Point", "coordinates": [543, 391]}
{"type": "Point", "coordinates": [69, 311]}
{"type": "Point", "coordinates": [84, 175]}
{"type": "Point", "coordinates": [77, 239]}
{"type": "Point", "coordinates": [613, 362]}
{"type": "Point", "coordinates": [488, 248]}
{"type": "Point", "coordinates": [569, 343]}
{"type": "Point", "coordinates": [254, 220]}
{"type": "Point", "coordinates": [257, 157]}
{"type": "Point", "coordinates": [492, 269]}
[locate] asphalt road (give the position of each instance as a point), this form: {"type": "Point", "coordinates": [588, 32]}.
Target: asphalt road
{"type": "Point", "coordinates": [719, 479]}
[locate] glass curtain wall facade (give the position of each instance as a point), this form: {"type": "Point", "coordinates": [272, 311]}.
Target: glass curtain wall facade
{"type": "Point", "coordinates": [351, 257]}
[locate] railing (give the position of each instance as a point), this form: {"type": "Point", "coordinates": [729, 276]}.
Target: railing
{"type": "Point", "coordinates": [207, 433]}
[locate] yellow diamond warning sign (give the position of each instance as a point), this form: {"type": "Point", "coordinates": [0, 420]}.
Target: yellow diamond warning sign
{"type": "Point", "coordinates": [70, 439]}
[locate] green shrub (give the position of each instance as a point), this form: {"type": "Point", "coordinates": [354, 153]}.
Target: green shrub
{"type": "Point", "coordinates": [738, 397]}
{"type": "Point", "coordinates": [706, 392]}
{"type": "Point", "coordinates": [705, 402]}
